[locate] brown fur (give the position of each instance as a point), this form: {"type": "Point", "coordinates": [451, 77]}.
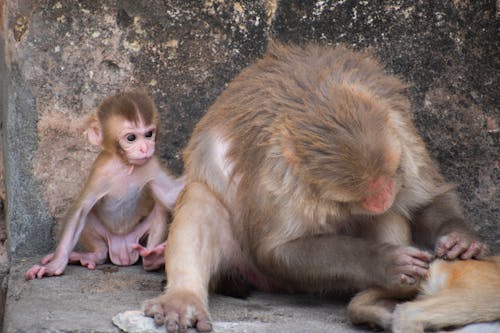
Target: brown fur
{"type": "Point", "coordinates": [454, 293]}
{"type": "Point", "coordinates": [278, 171]}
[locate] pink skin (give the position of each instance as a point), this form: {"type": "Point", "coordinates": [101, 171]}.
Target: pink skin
{"type": "Point", "coordinates": [458, 245]}
{"type": "Point", "coordinates": [381, 197]}
{"type": "Point", "coordinates": [407, 264]}
{"type": "Point", "coordinates": [152, 259]}
{"type": "Point", "coordinates": [114, 191]}
{"type": "Point", "coordinates": [138, 144]}
{"type": "Point", "coordinates": [123, 250]}
{"type": "Point", "coordinates": [89, 260]}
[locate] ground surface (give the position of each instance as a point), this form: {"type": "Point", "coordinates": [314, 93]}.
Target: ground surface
{"type": "Point", "coordinates": [86, 301]}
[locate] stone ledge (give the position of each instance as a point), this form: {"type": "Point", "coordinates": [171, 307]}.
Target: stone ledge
{"type": "Point", "coordinates": [84, 301]}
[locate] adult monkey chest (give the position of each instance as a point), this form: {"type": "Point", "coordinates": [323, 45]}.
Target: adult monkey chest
{"type": "Point", "coordinates": [121, 212]}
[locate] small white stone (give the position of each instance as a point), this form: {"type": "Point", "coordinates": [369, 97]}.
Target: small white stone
{"type": "Point", "coordinates": [135, 321]}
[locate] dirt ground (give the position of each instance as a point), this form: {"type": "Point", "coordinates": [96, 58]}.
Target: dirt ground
{"type": "Point", "coordinates": [86, 301]}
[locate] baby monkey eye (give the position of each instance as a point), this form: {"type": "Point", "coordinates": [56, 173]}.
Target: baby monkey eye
{"type": "Point", "coordinates": [131, 137]}
{"type": "Point", "coordinates": [149, 134]}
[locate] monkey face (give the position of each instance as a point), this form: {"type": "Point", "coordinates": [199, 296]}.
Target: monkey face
{"type": "Point", "coordinates": [380, 197]}
{"type": "Point", "coordinates": [137, 141]}
{"type": "Point", "coordinates": [376, 197]}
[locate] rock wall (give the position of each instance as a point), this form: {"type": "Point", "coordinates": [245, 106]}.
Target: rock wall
{"type": "Point", "coordinates": [59, 59]}
{"type": "Point", "coordinates": [64, 57]}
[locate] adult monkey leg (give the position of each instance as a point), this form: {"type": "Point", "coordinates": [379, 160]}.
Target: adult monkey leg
{"type": "Point", "coordinates": [200, 239]}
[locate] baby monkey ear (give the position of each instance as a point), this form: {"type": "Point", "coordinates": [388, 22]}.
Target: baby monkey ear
{"type": "Point", "coordinates": [94, 130]}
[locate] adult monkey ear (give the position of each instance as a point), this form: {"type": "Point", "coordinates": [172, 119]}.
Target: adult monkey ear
{"type": "Point", "coordinates": [94, 131]}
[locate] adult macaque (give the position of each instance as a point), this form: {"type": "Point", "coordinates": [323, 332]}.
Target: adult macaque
{"type": "Point", "coordinates": [307, 173]}
{"type": "Point", "coordinates": [126, 196]}
{"type": "Point", "coordinates": [454, 293]}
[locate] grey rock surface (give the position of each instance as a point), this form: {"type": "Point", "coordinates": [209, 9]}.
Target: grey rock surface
{"type": "Point", "coordinates": [88, 301]}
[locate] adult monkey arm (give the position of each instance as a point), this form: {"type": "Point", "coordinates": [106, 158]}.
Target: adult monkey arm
{"type": "Point", "coordinates": [441, 226]}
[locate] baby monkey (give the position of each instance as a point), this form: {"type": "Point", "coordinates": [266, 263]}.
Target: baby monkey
{"type": "Point", "coordinates": [126, 196]}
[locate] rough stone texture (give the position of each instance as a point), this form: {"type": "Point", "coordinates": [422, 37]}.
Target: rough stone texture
{"type": "Point", "coordinates": [4, 259]}
{"type": "Point", "coordinates": [84, 301]}
{"type": "Point", "coordinates": [65, 57]}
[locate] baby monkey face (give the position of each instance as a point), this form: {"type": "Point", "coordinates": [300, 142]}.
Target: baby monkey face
{"type": "Point", "coordinates": [137, 140]}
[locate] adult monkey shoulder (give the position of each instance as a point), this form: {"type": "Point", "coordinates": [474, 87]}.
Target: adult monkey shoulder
{"type": "Point", "coordinates": [313, 164]}
{"type": "Point", "coordinates": [126, 195]}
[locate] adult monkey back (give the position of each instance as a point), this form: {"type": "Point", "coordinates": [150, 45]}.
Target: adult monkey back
{"type": "Point", "coordinates": [307, 173]}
